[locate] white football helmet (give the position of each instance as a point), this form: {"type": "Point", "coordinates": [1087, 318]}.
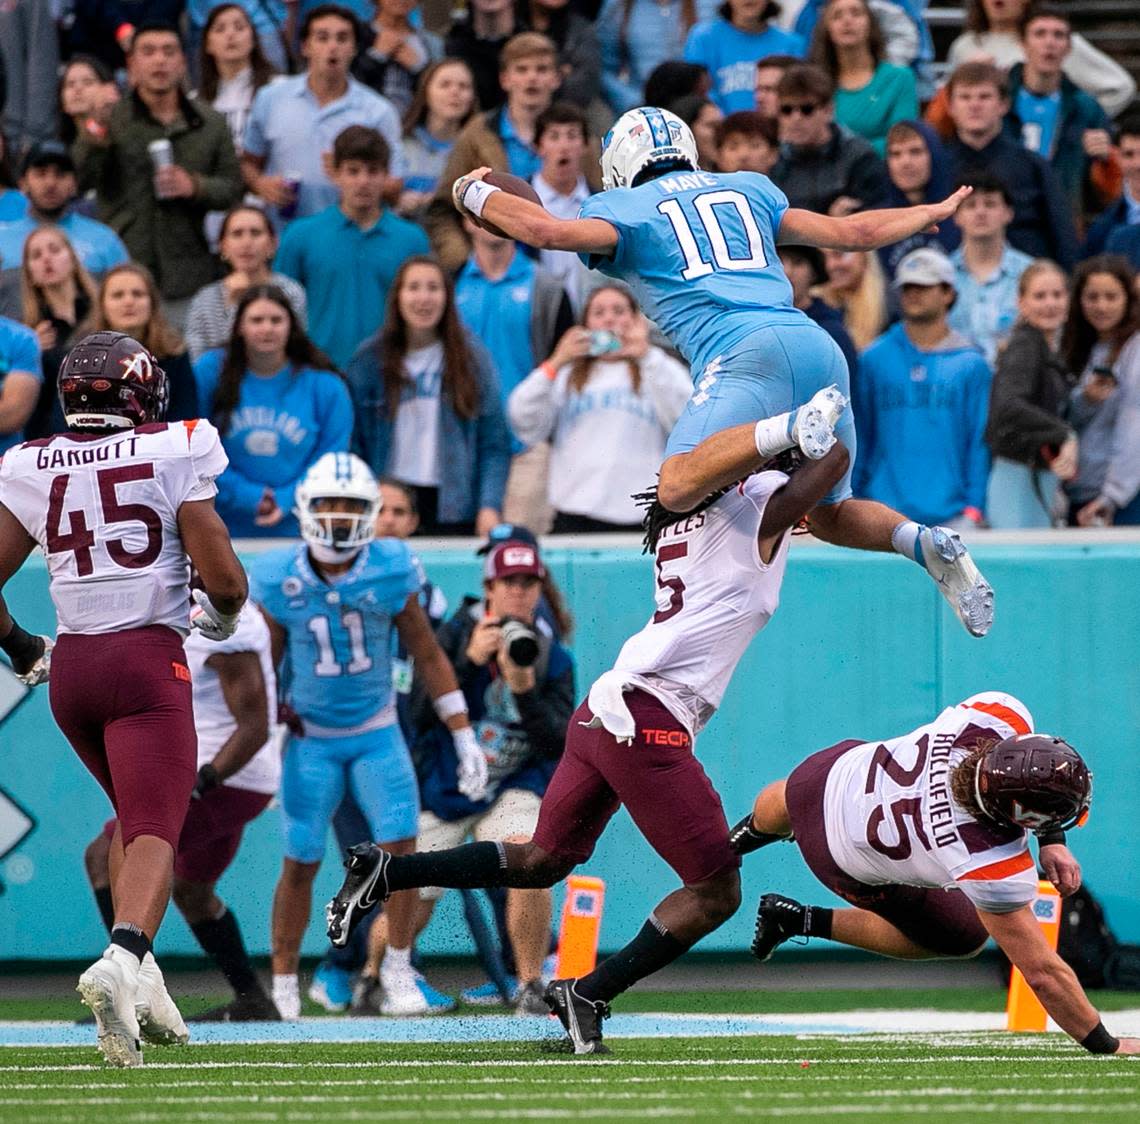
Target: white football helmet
{"type": "Point", "coordinates": [642, 137]}
{"type": "Point", "coordinates": [335, 535]}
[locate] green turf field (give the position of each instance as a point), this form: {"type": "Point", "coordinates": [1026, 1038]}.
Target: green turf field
{"type": "Point", "coordinates": [963, 1078]}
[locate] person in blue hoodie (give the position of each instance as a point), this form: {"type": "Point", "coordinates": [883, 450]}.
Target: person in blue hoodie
{"type": "Point", "coordinates": [921, 404]}
{"type": "Point", "coordinates": [279, 405]}
{"type": "Point", "coordinates": [919, 172]}
{"type": "Point", "coordinates": [730, 46]}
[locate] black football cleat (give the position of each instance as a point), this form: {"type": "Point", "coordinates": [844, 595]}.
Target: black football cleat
{"type": "Point", "coordinates": [253, 1007]}
{"type": "Point", "coordinates": [744, 838]}
{"type": "Point", "coordinates": [778, 919]}
{"type": "Point", "coordinates": [582, 1018]}
{"type": "Point", "coordinates": [365, 886]}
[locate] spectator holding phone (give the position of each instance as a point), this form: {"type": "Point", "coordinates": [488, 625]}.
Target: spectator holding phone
{"type": "Point", "coordinates": [606, 399]}
{"type": "Point", "coordinates": [1102, 342]}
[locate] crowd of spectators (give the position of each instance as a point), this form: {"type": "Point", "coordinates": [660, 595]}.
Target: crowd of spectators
{"type": "Point", "coordinates": [259, 190]}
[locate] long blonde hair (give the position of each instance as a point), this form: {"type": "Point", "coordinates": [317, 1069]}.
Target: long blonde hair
{"type": "Point", "coordinates": [32, 299]}
{"type": "Point", "coordinates": [160, 338]}
{"type": "Point", "coordinates": [864, 310]}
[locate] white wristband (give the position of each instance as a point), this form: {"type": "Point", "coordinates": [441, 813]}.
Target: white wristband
{"type": "Point", "coordinates": [475, 196]}
{"type": "Point", "coordinates": [449, 705]}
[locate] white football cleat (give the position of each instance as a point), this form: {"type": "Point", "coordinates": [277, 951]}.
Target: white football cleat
{"type": "Point", "coordinates": [109, 987]}
{"type": "Point", "coordinates": [946, 559]}
{"type": "Point", "coordinates": [411, 994]}
{"type": "Point", "coordinates": [814, 425]}
{"type": "Point", "coordinates": [159, 1019]}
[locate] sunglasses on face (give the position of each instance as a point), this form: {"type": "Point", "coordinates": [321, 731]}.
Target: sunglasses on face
{"type": "Point", "coordinates": [805, 109]}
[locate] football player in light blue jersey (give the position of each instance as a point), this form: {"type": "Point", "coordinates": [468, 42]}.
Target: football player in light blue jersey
{"type": "Point", "coordinates": [332, 604]}
{"type": "Point", "coordinates": [699, 249]}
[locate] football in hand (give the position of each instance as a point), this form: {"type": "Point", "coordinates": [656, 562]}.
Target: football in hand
{"type": "Point", "coordinates": [512, 185]}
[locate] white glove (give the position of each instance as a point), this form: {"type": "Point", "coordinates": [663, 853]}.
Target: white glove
{"type": "Point", "coordinates": [208, 620]}
{"type": "Point", "coordinates": [39, 671]}
{"type": "Point", "coordinates": [472, 772]}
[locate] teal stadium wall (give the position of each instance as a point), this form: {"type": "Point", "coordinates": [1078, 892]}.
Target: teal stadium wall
{"type": "Point", "coordinates": [862, 647]}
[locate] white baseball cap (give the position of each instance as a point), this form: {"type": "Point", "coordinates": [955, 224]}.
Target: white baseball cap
{"type": "Point", "coordinates": [925, 266]}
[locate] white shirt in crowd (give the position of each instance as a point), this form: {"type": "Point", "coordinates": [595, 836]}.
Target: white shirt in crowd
{"type": "Point", "coordinates": [415, 452]}
{"type": "Point", "coordinates": [608, 442]}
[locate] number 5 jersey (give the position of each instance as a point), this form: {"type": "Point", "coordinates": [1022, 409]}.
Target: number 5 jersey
{"type": "Point", "coordinates": [104, 510]}
{"type": "Point", "coordinates": [713, 594]}
{"type": "Point", "coordinates": [890, 818]}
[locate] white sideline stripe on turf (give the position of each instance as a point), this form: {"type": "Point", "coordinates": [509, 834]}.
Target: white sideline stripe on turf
{"type": "Point", "coordinates": [1076, 1057]}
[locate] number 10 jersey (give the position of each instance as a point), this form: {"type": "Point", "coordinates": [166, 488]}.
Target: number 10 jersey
{"type": "Point", "coordinates": [104, 510]}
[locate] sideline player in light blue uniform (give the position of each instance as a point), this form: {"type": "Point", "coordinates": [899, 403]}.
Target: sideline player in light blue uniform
{"type": "Point", "coordinates": [331, 605]}
{"type": "Point", "coordinates": [699, 249]}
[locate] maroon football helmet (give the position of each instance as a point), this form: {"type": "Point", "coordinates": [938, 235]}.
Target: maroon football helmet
{"type": "Point", "coordinates": [109, 381]}
{"type": "Point", "coordinates": [1035, 782]}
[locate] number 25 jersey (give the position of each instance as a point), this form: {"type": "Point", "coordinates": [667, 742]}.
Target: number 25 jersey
{"type": "Point", "coordinates": [890, 818]}
{"type": "Point", "coordinates": [699, 250]}
{"type": "Point", "coordinates": [104, 510]}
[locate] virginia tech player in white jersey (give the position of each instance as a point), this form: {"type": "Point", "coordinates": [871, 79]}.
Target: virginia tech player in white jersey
{"type": "Point", "coordinates": [890, 817]}
{"type": "Point", "coordinates": [714, 593]}
{"type": "Point", "coordinates": [926, 836]}
{"type": "Point", "coordinates": [104, 510]}
{"type": "Point", "coordinates": [121, 505]}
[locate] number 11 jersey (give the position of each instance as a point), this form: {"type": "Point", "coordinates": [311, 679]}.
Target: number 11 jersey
{"type": "Point", "coordinates": [699, 250]}
{"type": "Point", "coordinates": [104, 510]}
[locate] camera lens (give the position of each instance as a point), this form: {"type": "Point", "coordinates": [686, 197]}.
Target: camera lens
{"type": "Point", "coordinates": [522, 643]}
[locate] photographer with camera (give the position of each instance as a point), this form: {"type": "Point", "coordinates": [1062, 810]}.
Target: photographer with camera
{"type": "Point", "coordinates": [519, 687]}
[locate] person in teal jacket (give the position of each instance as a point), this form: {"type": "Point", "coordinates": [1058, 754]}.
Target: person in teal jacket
{"type": "Point", "coordinates": [429, 412]}
{"type": "Point", "coordinates": [921, 405]}
{"type": "Point", "coordinates": [279, 404]}
{"type": "Point", "coordinates": [871, 94]}
{"type": "Point", "coordinates": [1052, 116]}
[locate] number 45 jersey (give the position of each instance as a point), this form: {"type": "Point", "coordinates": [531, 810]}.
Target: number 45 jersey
{"type": "Point", "coordinates": [699, 249]}
{"type": "Point", "coordinates": [104, 510]}
{"type": "Point", "coordinates": [339, 632]}
{"type": "Point", "coordinates": [890, 818]}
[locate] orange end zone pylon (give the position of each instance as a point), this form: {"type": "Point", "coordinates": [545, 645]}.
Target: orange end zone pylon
{"type": "Point", "coordinates": [581, 923]}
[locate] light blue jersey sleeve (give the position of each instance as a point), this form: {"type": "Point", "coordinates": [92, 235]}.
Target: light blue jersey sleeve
{"type": "Point", "coordinates": [699, 249]}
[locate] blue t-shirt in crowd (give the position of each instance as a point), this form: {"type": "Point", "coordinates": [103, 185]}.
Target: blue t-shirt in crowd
{"type": "Point", "coordinates": [346, 272]}
{"type": "Point", "coordinates": [339, 630]}
{"type": "Point", "coordinates": [922, 419]}
{"type": "Point", "coordinates": [13, 204]}
{"type": "Point", "coordinates": [522, 159]}
{"type": "Point", "coordinates": [281, 426]}
{"type": "Point", "coordinates": [264, 15]}
{"type": "Point", "coordinates": [1039, 114]}
{"type": "Point", "coordinates": [19, 351]}
{"type": "Point", "coordinates": [730, 56]}
{"type": "Point", "coordinates": [97, 246]}
{"type": "Point", "coordinates": [499, 314]}
{"type": "Point", "coordinates": [699, 250]}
